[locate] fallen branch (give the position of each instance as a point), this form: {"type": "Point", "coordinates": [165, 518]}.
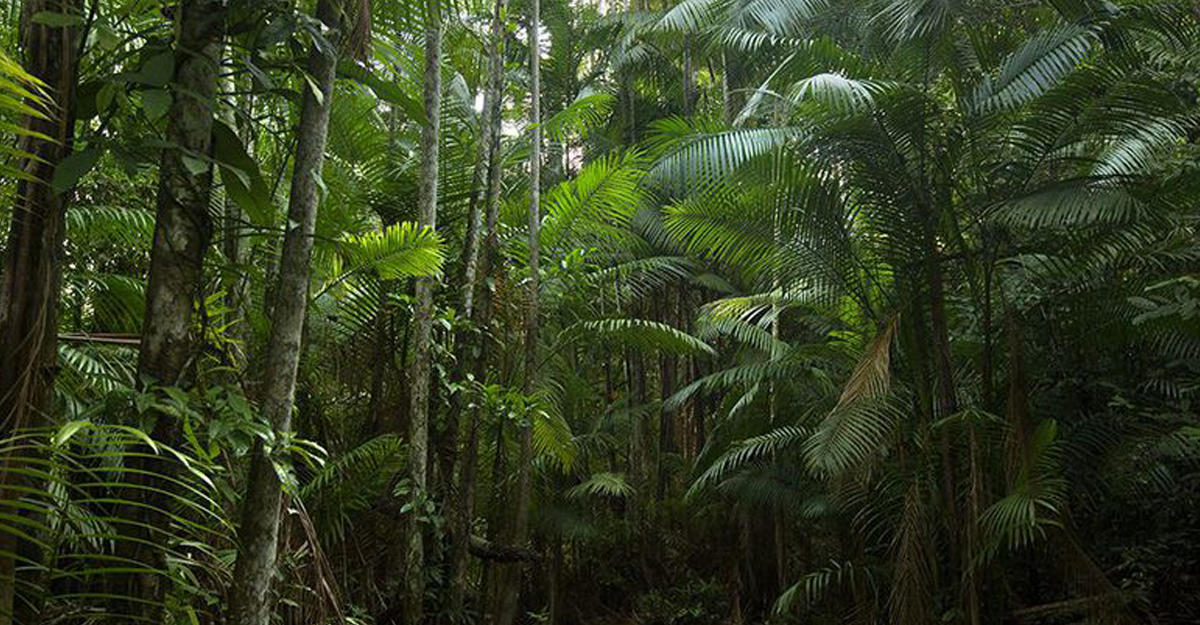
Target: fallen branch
{"type": "Point", "coordinates": [1069, 606]}
{"type": "Point", "coordinates": [106, 338]}
{"type": "Point", "coordinates": [486, 550]}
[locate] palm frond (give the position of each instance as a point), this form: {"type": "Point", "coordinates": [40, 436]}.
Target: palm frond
{"type": "Point", "coordinates": [603, 484]}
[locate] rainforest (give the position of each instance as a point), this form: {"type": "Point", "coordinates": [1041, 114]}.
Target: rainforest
{"type": "Point", "coordinates": [598, 312]}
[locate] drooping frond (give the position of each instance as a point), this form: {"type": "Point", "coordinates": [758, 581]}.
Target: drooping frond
{"type": "Point", "coordinates": [698, 159]}
{"type": "Point", "coordinates": [585, 113]}
{"type": "Point", "coordinates": [352, 483]}
{"type": "Point", "coordinates": [73, 477]}
{"type": "Point", "coordinates": [872, 376]}
{"type": "Point", "coordinates": [745, 451]}
{"type": "Point", "coordinates": [590, 209]}
{"type": "Point", "coordinates": [20, 95]}
{"type": "Point", "coordinates": [641, 334]}
{"type": "Point", "coordinates": [814, 586]}
{"type": "Point", "coordinates": [1035, 68]}
{"type": "Point", "coordinates": [1035, 498]}
{"type": "Point", "coordinates": [398, 251]}
{"type": "Point", "coordinates": [603, 484]}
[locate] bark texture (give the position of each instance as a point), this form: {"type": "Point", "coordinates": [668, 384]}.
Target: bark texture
{"type": "Point", "coordinates": [418, 433]}
{"type": "Point", "coordinates": [259, 532]}
{"type": "Point", "coordinates": [236, 279]}
{"type": "Point", "coordinates": [183, 230]}
{"type": "Point", "coordinates": [183, 227]}
{"type": "Point", "coordinates": [33, 253]}
{"type": "Point", "coordinates": [509, 584]}
{"type": "Point", "coordinates": [474, 347]}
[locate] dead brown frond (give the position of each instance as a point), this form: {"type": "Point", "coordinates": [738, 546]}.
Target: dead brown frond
{"type": "Point", "coordinates": [872, 374]}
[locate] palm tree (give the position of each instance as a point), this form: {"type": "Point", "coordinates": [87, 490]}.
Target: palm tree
{"type": "Point", "coordinates": [868, 204]}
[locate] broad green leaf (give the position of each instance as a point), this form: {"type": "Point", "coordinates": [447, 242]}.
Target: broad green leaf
{"type": "Point", "coordinates": [104, 97]}
{"type": "Point", "coordinates": [156, 103]}
{"type": "Point", "coordinates": [54, 19]}
{"type": "Point", "coordinates": [389, 92]}
{"type": "Point", "coordinates": [195, 166]}
{"type": "Point", "coordinates": [72, 168]}
{"type": "Point", "coordinates": [241, 175]}
{"type": "Point", "coordinates": [157, 70]}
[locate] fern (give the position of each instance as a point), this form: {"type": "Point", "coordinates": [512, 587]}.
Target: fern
{"type": "Point", "coordinates": [745, 451]}
{"type": "Point", "coordinates": [400, 250]}
{"type": "Point", "coordinates": [638, 334]}
{"type": "Point", "coordinates": [63, 484]}
{"type": "Point", "coordinates": [602, 484]}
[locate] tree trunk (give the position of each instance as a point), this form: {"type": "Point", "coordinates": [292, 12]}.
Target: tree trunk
{"type": "Point", "coordinates": [510, 585]}
{"type": "Point", "coordinates": [29, 286]}
{"type": "Point", "coordinates": [259, 531]}
{"type": "Point", "coordinates": [182, 227]}
{"type": "Point", "coordinates": [476, 347]}
{"type": "Point", "coordinates": [689, 80]}
{"type": "Point", "coordinates": [668, 367]}
{"type": "Point", "coordinates": [183, 230]}
{"type": "Point", "coordinates": [236, 279]}
{"type": "Point", "coordinates": [554, 590]}
{"type": "Point", "coordinates": [418, 431]}
{"type": "Point", "coordinates": [728, 106]}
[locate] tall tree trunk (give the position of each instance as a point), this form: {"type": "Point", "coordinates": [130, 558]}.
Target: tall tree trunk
{"type": "Point", "coordinates": [475, 346]}
{"type": "Point", "coordinates": [510, 586]}
{"type": "Point", "coordinates": [182, 227]}
{"type": "Point", "coordinates": [236, 279]}
{"type": "Point", "coordinates": [689, 80]}
{"type": "Point", "coordinates": [259, 531]}
{"type": "Point", "coordinates": [554, 584]}
{"type": "Point", "coordinates": [183, 230]}
{"type": "Point", "coordinates": [728, 106]}
{"type": "Point", "coordinates": [668, 368]}
{"type": "Point", "coordinates": [418, 431]}
{"type": "Point", "coordinates": [29, 286]}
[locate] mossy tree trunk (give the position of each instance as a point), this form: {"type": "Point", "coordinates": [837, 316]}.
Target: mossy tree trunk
{"type": "Point", "coordinates": [258, 534]}
{"type": "Point", "coordinates": [29, 285]}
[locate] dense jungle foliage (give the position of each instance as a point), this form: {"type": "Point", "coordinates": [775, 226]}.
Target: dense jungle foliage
{"type": "Point", "coordinates": [669, 312]}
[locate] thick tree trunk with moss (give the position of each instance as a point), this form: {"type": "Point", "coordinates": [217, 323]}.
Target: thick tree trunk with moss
{"type": "Point", "coordinates": [183, 230]}
{"type": "Point", "coordinates": [29, 286]}
{"type": "Point", "coordinates": [258, 534]}
{"type": "Point", "coordinates": [183, 227]}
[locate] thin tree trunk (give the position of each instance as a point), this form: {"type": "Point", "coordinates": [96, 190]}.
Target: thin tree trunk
{"type": "Point", "coordinates": [510, 585]}
{"type": "Point", "coordinates": [29, 286]}
{"type": "Point", "coordinates": [554, 590]}
{"type": "Point", "coordinates": [259, 531]}
{"type": "Point", "coordinates": [418, 431]}
{"type": "Point", "coordinates": [668, 373]}
{"type": "Point", "coordinates": [236, 279]}
{"type": "Point", "coordinates": [493, 573]}
{"type": "Point", "coordinates": [380, 354]}
{"type": "Point", "coordinates": [480, 175]}
{"type": "Point", "coordinates": [689, 80]}
{"type": "Point", "coordinates": [466, 337]}
{"type": "Point", "coordinates": [464, 470]}
{"type": "Point", "coordinates": [727, 104]}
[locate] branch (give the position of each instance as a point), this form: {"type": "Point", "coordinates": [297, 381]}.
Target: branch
{"type": "Point", "coordinates": [486, 550]}
{"type": "Point", "coordinates": [104, 338]}
{"type": "Point", "coordinates": [1069, 606]}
